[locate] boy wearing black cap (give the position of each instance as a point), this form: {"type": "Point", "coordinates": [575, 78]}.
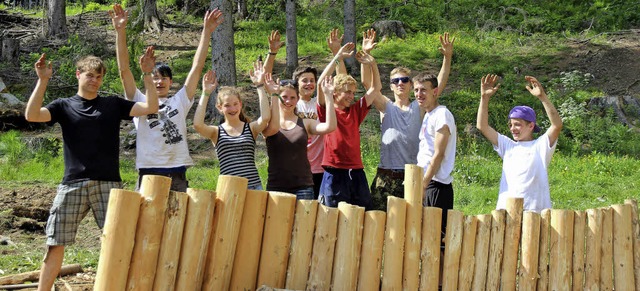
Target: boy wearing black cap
{"type": "Point", "coordinates": [525, 159]}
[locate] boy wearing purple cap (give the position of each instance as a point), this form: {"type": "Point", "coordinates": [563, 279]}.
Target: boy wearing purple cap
{"type": "Point", "coordinates": [525, 159]}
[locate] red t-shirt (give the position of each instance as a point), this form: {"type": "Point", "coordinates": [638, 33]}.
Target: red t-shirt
{"type": "Point", "coordinates": [342, 146]}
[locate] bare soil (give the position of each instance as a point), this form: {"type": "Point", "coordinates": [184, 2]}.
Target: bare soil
{"type": "Point", "coordinates": [24, 208]}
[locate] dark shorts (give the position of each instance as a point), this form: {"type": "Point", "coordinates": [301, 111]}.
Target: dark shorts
{"type": "Point", "coordinates": [441, 196]}
{"type": "Point", "coordinates": [386, 183]}
{"type": "Point", "coordinates": [71, 205]}
{"type": "Point", "coordinates": [178, 177]}
{"type": "Point", "coordinates": [345, 185]}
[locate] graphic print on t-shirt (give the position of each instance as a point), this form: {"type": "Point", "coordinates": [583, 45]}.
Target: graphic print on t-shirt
{"type": "Point", "coordinates": [307, 115]}
{"type": "Point", "coordinates": [169, 129]}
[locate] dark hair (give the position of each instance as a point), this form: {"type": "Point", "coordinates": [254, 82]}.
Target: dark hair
{"type": "Point", "coordinates": [301, 70]}
{"type": "Point", "coordinates": [163, 70]}
{"type": "Point", "coordinates": [424, 77]}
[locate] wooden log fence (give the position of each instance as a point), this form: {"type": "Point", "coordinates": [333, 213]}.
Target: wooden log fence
{"type": "Point", "coordinates": [239, 239]}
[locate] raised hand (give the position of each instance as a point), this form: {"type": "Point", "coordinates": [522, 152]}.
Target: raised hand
{"type": "Point", "coordinates": [368, 40]}
{"type": "Point", "coordinates": [274, 41]}
{"type": "Point", "coordinates": [346, 50]}
{"type": "Point", "coordinates": [271, 86]}
{"type": "Point", "coordinates": [364, 58]}
{"type": "Point", "coordinates": [119, 17]}
{"type": "Point", "coordinates": [44, 69]}
{"type": "Point", "coordinates": [257, 74]}
{"type": "Point", "coordinates": [534, 87]}
{"type": "Point", "coordinates": [447, 44]}
{"type": "Point", "coordinates": [333, 41]}
{"type": "Point", "coordinates": [147, 60]}
{"type": "Point", "coordinates": [212, 19]}
{"type": "Point", "coordinates": [209, 82]}
{"type": "Point", "coordinates": [327, 87]}
{"type": "Point", "coordinates": [489, 86]}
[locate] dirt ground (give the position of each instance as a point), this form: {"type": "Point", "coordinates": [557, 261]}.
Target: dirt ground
{"type": "Point", "coordinates": [24, 208]}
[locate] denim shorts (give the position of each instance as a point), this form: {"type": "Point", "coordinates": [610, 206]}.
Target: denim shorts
{"type": "Point", "coordinates": [178, 177]}
{"type": "Point", "coordinates": [71, 205]}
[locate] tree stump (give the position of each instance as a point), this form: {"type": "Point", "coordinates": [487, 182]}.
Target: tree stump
{"type": "Point", "coordinates": [10, 51]}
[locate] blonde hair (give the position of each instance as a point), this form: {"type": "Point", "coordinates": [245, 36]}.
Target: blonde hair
{"type": "Point", "coordinates": [341, 81]}
{"type": "Point", "coordinates": [401, 70]}
{"type": "Point", "coordinates": [231, 91]}
{"type": "Point", "coordinates": [91, 63]}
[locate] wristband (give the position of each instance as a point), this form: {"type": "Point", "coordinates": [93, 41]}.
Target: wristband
{"type": "Point", "coordinates": [258, 86]}
{"type": "Point", "coordinates": [273, 54]}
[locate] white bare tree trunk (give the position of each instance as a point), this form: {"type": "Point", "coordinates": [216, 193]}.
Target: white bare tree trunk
{"type": "Point", "coordinates": [350, 31]}
{"type": "Point", "coordinates": [292, 38]}
{"type": "Point", "coordinates": [57, 19]}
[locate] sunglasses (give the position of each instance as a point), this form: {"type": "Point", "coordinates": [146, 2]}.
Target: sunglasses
{"type": "Point", "coordinates": [288, 82]}
{"type": "Point", "coordinates": [397, 80]}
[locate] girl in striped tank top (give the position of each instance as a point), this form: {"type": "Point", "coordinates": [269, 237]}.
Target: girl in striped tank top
{"type": "Point", "coordinates": [234, 139]}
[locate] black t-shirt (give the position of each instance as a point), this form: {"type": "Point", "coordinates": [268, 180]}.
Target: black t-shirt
{"type": "Point", "coordinates": [91, 136]}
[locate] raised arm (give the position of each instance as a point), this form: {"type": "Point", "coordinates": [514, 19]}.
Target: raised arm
{"type": "Point", "coordinates": [119, 18]}
{"type": "Point", "coordinates": [368, 44]}
{"type": "Point", "coordinates": [373, 93]}
{"type": "Point", "coordinates": [147, 62]}
{"type": "Point", "coordinates": [345, 51]}
{"type": "Point", "coordinates": [211, 20]}
{"type": "Point", "coordinates": [274, 46]}
{"type": "Point", "coordinates": [257, 77]}
{"type": "Point", "coordinates": [334, 42]}
{"type": "Point", "coordinates": [330, 123]}
{"type": "Point", "coordinates": [447, 52]}
{"type": "Point", "coordinates": [488, 87]}
{"type": "Point", "coordinates": [209, 84]}
{"type": "Point", "coordinates": [34, 111]}
{"type": "Point", "coordinates": [272, 88]}
{"type": "Point", "coordinates": [536, 89]}
{"type": "Point", "coordinates": [440, 146]}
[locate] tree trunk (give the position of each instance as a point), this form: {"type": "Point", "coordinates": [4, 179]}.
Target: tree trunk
{"type": "Point", "coordinates": [152, 21]}
{"type": "Point", "coordinates": [57, 19]}
{"type": "Point", "coordinates": [10, 51]}
{"type": "Point", "coordinates": [243, 12]}
{"type": "Point", "coordinates": [350, 31]}
{"type": "Point", "coordinates": [292, 38]}
{"type": "Point", "coordinates": [223, 58]}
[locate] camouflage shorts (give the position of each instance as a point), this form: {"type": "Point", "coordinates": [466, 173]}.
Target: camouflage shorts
{"type": "Point", "coordinates": [386, 183]}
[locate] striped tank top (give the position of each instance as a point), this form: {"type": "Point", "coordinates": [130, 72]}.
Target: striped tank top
{"type": "Point", "coordinates": [237, 154]}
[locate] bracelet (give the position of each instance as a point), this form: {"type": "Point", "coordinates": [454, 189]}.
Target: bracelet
{"type": "Point", "coordinates": [273, 54]}
{"type": "Point", "coordinates": [145, 74]}
{"type": "Point", "coordinates": [337, 61]}
{"type": "Point", "coordinates": [258, 86]}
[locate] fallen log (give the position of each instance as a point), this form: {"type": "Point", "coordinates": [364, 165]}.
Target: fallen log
{"type": "Point", "coordinates": [33, 276]}
{"type": "Point", "coordinates": [18, 286]}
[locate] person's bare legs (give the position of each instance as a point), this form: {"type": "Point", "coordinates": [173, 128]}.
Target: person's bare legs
{"type": "Point", "coordinates": [50, 267]}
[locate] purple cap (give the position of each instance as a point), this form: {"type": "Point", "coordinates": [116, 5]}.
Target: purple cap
{"type": "Point", "coordinates": [526, 113]}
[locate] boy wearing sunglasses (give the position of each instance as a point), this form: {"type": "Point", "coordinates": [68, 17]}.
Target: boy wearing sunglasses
{"type": "Point", "coordinates": [400, 121]}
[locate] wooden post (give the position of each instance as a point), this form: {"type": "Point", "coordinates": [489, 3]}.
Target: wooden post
{"type": "Point", "coordinates": [481, 255]}
{"type": "Point", "coordinates": [118, 237]}
{"type": "Point", "coordinates": [430, 250]}
{"type": "Point", "coordinates": [276, 239]}
{"type": "Point", "coordinates": [198, 226]}
{"type": "Point", "coordinates": [169, 257]}
{"type": "Point", "coordinates": [371, 256]}
{"type": "Point", "coordinates": [543, 261]}
{"type": "Point", "coordinates": [560, 254]}
{"type": "Point", "coordinates": [413, 192]}
{"type": "Point", "coordinates": [636, 240]}
{"type": "Point", "coordinates": [348, 246]}
{"type": "Point", "coordinates": [301, 244]}
{"type": "Point", "coordinates": [606, 263]}
{"type": "Point", "coordinates": [232, 192]}
{"type": "Point", "coordinates": [324, 244]}
{"type": "Point", "coordinates": [452, 249]}
{"type": "Point", "coordinates": [579, 224]}
{"type": "Point", "coordinates": [511, 243]}
{"type": "Point", "coordinates": [594, 250]}
{"type": "Point", "coordinates": [144, 260]}
{"type": "Point", "coordinates": [247, 258]}
{"type": "Point", "coordinates": [623, 247]}
{"type": "Point", "coordinates": [467, 260]}
{"type": "Point", "coordinates": [496, 248]}
{"type": "Point", "coordinates": [530, 249]}
{"type": "Point", "coordinates": [394, 243]}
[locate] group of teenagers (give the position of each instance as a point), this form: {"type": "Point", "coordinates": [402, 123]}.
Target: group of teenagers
{"type": "Point", "coordinates": [310, 124]}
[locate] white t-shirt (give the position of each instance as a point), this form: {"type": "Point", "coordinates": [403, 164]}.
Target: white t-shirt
{"type": "Point", "coordinates": [524, 171]}
{"type": "Point", "coordinates": [315, 144]}
{"type": "Point", "coordinates": [431, 123]}
{"type": "Point", "coordinates": [161, 141]}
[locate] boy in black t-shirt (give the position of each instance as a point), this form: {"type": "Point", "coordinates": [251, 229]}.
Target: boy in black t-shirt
{"type": "Point", "coordinates": [90, 133]}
